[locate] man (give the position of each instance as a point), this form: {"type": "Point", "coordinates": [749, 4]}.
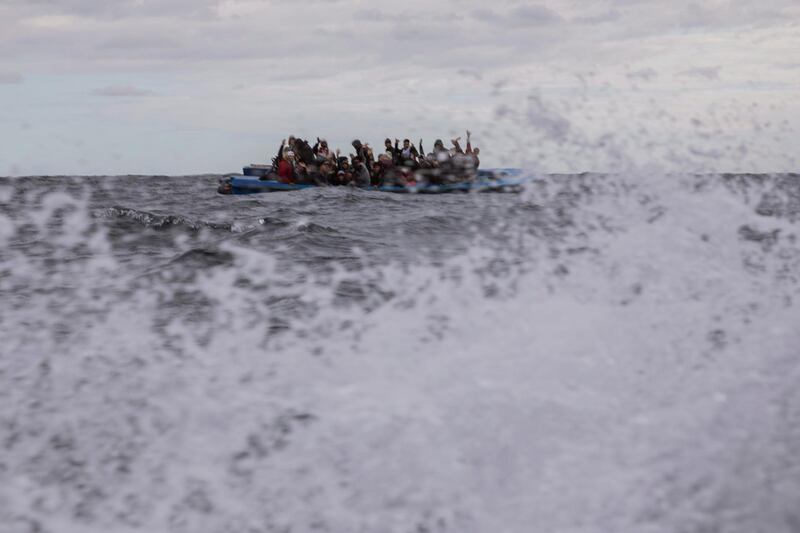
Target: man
{"type": "Point", "coordinates": [390, 150]}
{"type": "Point", "coordinates": [321, 150]}
{"type": "Point", "coordinates": [409, 154]}
{"type": "Point", "coordinates": [362, 150]}
{"type": "Point", "coordinates": [473, 153]}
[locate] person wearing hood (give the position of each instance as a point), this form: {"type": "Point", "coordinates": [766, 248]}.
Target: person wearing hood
{"type": "Point", "coordinates": [363, 151]}
{"type": "Point", "coordinates": [361, 176]}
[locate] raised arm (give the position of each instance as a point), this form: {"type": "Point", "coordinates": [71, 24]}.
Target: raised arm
{"type": "Point", "coordinates": [280, 154]}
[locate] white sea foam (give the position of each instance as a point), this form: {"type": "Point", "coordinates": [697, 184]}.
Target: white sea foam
{"type": "Point", "coordinates": [638, 373]}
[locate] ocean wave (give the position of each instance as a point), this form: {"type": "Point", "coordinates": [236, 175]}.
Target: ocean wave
{"type": "Point", "coordinates": [162, 221]}
{"type": "Point", "coordinates": [601, 354]}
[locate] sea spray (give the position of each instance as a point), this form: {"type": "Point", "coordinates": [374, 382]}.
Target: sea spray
{"type": "Point", "coordinates": [599, 353]}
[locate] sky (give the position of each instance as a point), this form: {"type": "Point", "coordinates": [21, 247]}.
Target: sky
{"type": "Point", "coordinates": [204, 86]}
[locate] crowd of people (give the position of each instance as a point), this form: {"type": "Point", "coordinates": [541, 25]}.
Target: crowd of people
{"type": "Point", "coordinates": [398, 164]}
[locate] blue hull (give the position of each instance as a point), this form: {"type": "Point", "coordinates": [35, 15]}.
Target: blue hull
{"type": "Point", "coordinates": [507, 180]}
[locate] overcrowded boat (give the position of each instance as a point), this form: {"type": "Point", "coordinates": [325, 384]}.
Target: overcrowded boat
{"type": "Point", "coordinates": [399, 169]}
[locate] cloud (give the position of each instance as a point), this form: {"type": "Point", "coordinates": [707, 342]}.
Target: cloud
{"type": "Point", "coordinates": [533, 15]}
{"type": "Point", "coordinates": [645, 74]}
{"type": "Point", "coordinates": [10, 78]}
{"type": "Point", "coordinates": [708, 73]}
{"type": "Point", "coordinates": [611, 15]}
{"type": "Point", "coordinates": [118, 9]}
{"type": "Point", "coordinates": [346, 59]}
{"type": "Point", "coordinates": [518, 17]}
{"type": "Point", "coordinates": [54, 22]}
{"type": "Point", "coordinates": [122, 91]}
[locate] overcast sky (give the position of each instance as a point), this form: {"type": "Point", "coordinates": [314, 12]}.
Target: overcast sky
{"type": "Point", "coordinates": [191, 86]}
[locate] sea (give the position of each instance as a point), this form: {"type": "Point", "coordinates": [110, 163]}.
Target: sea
{"type": "Point", "coordinates": [597, 353]}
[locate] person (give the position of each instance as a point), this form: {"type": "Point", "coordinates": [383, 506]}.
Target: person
{"type": "Point", "coordinates": [462, 164]}
{"type": "Point", "coordinates": [361, 176]}
{"type": "Point", "coordinates": [340, 178]}
{"type": "Point", "coordinates": [473, 153]}
{"type": "Point", "coordinates": [386, 172]}
{"type": "Point", "coordinates": [326, 175]}
{"type": "Point", "coordinates": [286, 167]}
{"type": "Point", "coordinates": [279, 157]}
{"type": "Point", "coordinates": [303, 151]}
{"type": "Point", "coordinates": [359, 148]}
{"type": "Point", "coordinates": [409, 155]}
{"type": "Point", "coordinates": [391, 151]}
{"type": "Point", "coordinates": [376, 173]}
{"type": "Point", "coordinates": [321, 150]}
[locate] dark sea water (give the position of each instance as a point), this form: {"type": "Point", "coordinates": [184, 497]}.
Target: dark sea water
{"type": "Point", "coordinates": [596, 353]}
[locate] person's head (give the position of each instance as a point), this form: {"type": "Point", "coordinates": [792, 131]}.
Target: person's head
{"type": "Point", "coordinates": [406, 143]}
{"type": "Point", "coordinates": [323, 143]}
{"type": "Point", "coordinates": [325, 168]}
{"type": "Point", "coordinates": [345, 164]}
{"type": "Point", "coordinates": [387, 143]}
{"type": "Point", "coordinates": [476, 151]}
{"type": "Point", "coordinates": [288, 155]}
{"type": "Point", "coordinates": [438, 144]}
{"type": "Point", "coordinates": [357, 160]}
{"type": "Point", "coordinates": [356, 144]}
{"type": "Point", "coordinates": [291, 140]}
